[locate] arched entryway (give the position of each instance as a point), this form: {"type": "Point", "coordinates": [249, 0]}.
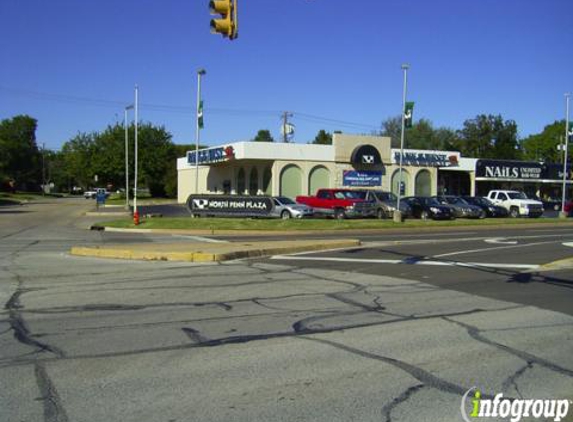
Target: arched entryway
{"type": "Point", "coordinates": [267, 185]}
{"type": "Point", "coordinates": [254, 181]}
{"type": "Point", "coordinates": [241, 182]}
{"type": "Point", "coordinates": [291, 181]}
{"type": "Point", "coordinates": [396, 182]}
{"type": "Point", "coordinates": [319, 178]}
{"type": "Point", "coordinates": [423, 185]}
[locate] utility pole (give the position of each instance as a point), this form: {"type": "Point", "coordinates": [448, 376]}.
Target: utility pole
{"type": "Point", "coordinates": [286, 125]}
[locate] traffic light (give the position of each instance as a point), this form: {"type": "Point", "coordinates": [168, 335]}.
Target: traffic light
{"type": "Point", "coordinates": [227, 25]}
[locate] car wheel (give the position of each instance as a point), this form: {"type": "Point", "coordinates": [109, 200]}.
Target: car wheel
{"type": "Point", "coordinates": [556, 207]}
{"type": "Point", "coordinates": [285, 215]}
{"type": "Point", "coordinates": [380, 213]}
{"type": "Point", "coordinates": [425, 215]}
{"type": "Point", "coordinates": [482, 214]}
{"type": "Point", "coordinates": [514, 212]}
{"type": "Point", "coordinates": [339, 214]}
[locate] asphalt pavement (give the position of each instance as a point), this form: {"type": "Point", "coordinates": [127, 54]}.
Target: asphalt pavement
{"type": "Point", "coordinates": [284, 339]}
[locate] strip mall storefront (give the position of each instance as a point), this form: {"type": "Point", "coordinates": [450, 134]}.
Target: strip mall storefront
{"type": "Point", "coordinates": [479, 176]}
{"type": "Point", "coordinates": [260, 168]}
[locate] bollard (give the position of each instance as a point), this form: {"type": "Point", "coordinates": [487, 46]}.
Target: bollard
{"type": "Point", "coordinates": [136, 218]}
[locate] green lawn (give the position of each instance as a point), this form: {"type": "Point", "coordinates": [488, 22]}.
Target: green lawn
{"type": "Point", "coordinates": [182, 223]}
{"type": "Point", "coordinates": [24, 196]}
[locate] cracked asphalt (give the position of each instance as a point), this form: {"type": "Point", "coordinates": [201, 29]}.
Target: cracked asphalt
{"type": "Point", "coordinates": [84, 339]}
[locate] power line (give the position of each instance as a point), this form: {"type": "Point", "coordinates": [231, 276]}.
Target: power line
{"type": "Point", "coordinates": [70, 99]}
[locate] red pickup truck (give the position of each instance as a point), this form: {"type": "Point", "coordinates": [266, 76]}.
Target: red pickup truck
{"type": "Point", "coordinates": [338, 203]}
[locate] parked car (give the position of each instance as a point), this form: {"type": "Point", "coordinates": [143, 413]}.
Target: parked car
{"type": "Point", "coordinates": [429, 208]}
{"type": "Point", "coordinates": [286, 208]}
{"type": "Point", "coordinates": [338, 203]}
{"type": "Point", "coordinates": [548, 203]}
{"type": "Point", "coordinates": [490, 209]}
{"type": "Point", "coordinates": [461, 208]}
{"type": "Point", "coordinates": [92, 194]}
{"type": "Point", "coordinates": [516, 203]}
{"type": "Point", "coordinates": [385, 203]}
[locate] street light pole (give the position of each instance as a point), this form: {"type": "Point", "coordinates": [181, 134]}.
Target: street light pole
{"type": "Point", "coordinates": [200, 73]}
{"type": "Point", "coordinates": [43, 169]}
{"type": "Point", "coordinates": [129, 107]}
{"type": "Point", "coordinates": [135, 213]}
{"type": "Point", "coordinates": [398, 213]}
{"type": "Point", "coordinates": [566, 147]}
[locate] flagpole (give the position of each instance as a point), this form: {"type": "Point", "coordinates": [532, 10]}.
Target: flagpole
{"type": "Point", "coordinates": [398, 213]}
{"type": "Point", "coordinates": [566, 145]}
{"type": "Point", "coordinates": [200, 73]}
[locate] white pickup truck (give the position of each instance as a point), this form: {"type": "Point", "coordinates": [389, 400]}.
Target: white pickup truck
{"type": "Point", "coordinates": [92, 194]}
{"type": "Point", "coordinates": [516, 203]}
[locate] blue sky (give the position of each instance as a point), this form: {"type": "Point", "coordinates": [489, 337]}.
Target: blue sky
{"type": "Point", "coordinates": [335, 64]}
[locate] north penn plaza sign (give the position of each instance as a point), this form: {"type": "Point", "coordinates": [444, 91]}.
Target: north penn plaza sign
{"type": "Point", "coordinates": [416, 157]}
{"type": "Point", "coordinates": [211, 155]}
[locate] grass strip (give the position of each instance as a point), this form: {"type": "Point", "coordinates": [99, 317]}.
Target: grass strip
{"type": "Point", "coordinates": [252, 224]}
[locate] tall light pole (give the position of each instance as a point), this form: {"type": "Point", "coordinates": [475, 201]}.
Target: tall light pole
{"type": "Point", "coordinates": [43, 169]}
{"type": "Point", "coordinates": [129, 107]}
{"type": "Point", "coordinates": [398, 213]}
{"type": "Point", "coordinates": [136, 105]}
{"type": "Point", "coordinates": [565, 155]}
{"type": "Point", "coordinates": [200, 72]}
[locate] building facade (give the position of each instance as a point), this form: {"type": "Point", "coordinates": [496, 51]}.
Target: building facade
{"type": "Point", "coordinates": [355, 161]}
{"type": "Point", "coordinates": [260, 168]}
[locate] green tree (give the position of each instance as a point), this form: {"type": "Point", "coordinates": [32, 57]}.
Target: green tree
{"type": "Point", "coordinates": [543, 146]}
{"type": "Point", "coordinates": [489, 136]}
{"type": "Point", "coordinates": [20, 158]}
{"type": "Point", "coordinates": [422, 135]}
{"type": "Point", "coordinates": [103, 154]}
{"type": "Point", "coordinates": [392, 127]}
{"type": "Point", "coordinates": [77, 156]}
{"type": "Point", "coordinates": [263, 135]}
{"type": "Point", "coordinates": [322, 138]}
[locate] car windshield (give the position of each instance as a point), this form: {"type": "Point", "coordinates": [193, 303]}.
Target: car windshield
{"type": "Point", "coordinates": [480, 200]}
{"type": "Point", "coordinates": [430, 201]}
{"type": "Point", "coordinates": [459, 201]}
{"type": "Point", "coordinates": [516, 195]}
{"type": "Point", "coordinates": [346, 194]}
{"type": "Point", "coordinates": [361, 194]}
{"type": "Point", "coordinates": [285, 201]}
{"type": "Point", "coordinates": [385, 196]}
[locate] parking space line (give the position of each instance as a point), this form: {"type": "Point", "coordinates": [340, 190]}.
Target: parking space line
{"type": "Point", "coordinates": [491, 249]}
{"type": "Point", "coordinates": [408, 262]}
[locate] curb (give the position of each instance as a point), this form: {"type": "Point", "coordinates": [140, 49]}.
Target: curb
{"type": "Point", "coordinates": [561, 264]}
{"type": "Point", "coordinates": [107, 214]}
{"type": "Point", "coordinates": [195, 254]}
{"type": "Point", "coordinates": [398, 230]}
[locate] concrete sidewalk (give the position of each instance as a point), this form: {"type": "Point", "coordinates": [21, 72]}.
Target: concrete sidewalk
{"type": "Point", "coordinates": [209, 252]}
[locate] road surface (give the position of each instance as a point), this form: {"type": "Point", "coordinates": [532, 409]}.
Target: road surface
{"type": "Point", "coordinates": [281, 339]}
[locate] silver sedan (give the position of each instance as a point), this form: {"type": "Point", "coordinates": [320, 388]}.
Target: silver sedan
{"type": "Point", "coordinates": [286, 208]}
